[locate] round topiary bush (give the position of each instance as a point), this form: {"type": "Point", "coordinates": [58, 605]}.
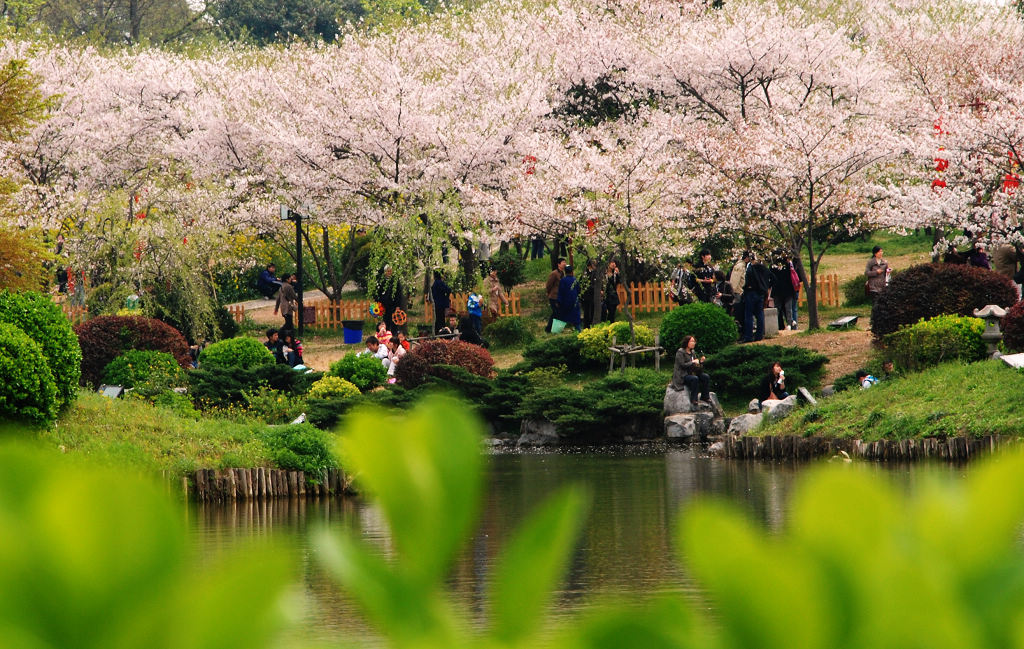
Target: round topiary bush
{"type": "Point", "coordinates": [928, 290]}
{"type": "Point", "coordinates": [106, 337]}
{"type": "Point", "coordinates": [43, 321]}
{"type": "Point", "coordinates": [714, 328]}
{"type": "Point", "coordinates": [594, 341]}
{"type": "Point", "coordinates": [937, 340]}
{"type": "Point", "coordinates": [27, 391]}
{"type": "Point", "coordinates": [241, 353]}
{"type": "Point", "coordinates": [1013, 328]}
{"type": "Point", "coordinates": [510, 331]}
{"type": "Point", "coordinates": [365, 372]}
{"type": "Point", "coordinates": [472, 358]}
{"type": "Point", "coordinates": [137, 366]}
{"type": "Point", "coordinates": [332, 387]}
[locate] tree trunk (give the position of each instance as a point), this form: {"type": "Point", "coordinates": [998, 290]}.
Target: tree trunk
{"type": "Point", "coordinates": [812, 286]}
{"type": "Point", "coordinates": [135, 20]}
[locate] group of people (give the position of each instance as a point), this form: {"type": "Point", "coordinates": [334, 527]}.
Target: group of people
{"type": "Point", "coordinates": [441, 294]}
{"type": "Point", "coordinates": [572, 307]}
{"type": "Point", "coordinates": [286, 348]}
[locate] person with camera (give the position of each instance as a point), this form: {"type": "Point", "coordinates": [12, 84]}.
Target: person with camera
{"type": "Point", "coordinates": [773, 386]}
{"type": "Point", "coordinates": [689, 372]}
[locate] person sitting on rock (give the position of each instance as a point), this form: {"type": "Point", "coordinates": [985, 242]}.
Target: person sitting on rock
{"type": "Point", "coordinates": [689, 372]}
{"type": "Point", "coordinates": [773, 386]}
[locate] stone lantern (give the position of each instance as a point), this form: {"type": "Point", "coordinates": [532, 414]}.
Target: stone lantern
{"type": "Point", "coordinates": [992, 315]}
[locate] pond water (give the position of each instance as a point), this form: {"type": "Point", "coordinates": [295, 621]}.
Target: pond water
{"type": "Point", "coordinates": [626, 546]}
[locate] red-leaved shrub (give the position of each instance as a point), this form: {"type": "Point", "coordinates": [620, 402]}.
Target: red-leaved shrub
{"type": "Point", "coordinates": [1013, 328]}
{"type": "Point", "coordinates": [415, 366]}
{"type": "Point", "coordinates": [929, 290]}
{"type": "Point", "coordinates": [106, 337]}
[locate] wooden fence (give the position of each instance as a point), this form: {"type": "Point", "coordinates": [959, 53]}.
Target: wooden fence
{"type": "Point", "coordinates": [459, 304]}
{"type": "Point", "coordinates": [647, 297]}
{"type": "Point", "coordinates": [76, 314]}
{"type": "Point", "coordinates": [226, 485]}
{"type": "Point", "coordinates": [829, 291]}
{"type": "Point", "coordinates": [237, 312]}
{"type": "Point", "coordinates": [330, 315]}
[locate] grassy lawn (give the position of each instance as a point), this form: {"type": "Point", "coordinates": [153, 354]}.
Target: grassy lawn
{"type": "Point", "coordinates": [131, 433]}
{"type": "Point", "coordinates": [948, 400]}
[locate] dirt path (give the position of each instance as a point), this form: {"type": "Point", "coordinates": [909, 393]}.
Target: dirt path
{"type": "Point", "coordinates": [847, 351]}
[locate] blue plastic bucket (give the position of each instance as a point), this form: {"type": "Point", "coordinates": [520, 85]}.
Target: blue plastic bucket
{"type": "Point", "coordinates": [352, 331]}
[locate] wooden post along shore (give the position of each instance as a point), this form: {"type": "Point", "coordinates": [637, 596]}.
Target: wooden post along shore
{"type": "Point", "coordinates": [226, 485]}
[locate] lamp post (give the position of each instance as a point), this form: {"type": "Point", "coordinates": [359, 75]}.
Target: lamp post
{"type": "Point", "coordinates": [292, 215]}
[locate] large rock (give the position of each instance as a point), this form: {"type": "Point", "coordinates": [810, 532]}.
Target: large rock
{"type": "Point", "coordinates": [777, 409]}
{"type": "Point", "coordinates": [694, 424]}
{"type": "Point", "coordinates": [771, 322]}
{"type": "Point", "coordinates": [677, 401]}
{"type": "Point", "coordinates": [754, 406]}
{"type": "Point", "coordinates": [537, 432]}
{"type": "Point", "coordinates": [744, 424]}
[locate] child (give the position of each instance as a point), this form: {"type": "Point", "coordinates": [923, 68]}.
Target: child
{"type": "Point", "coordinates": [383, 335]}
{"type": "Point", "coordinates": [395, 353]}
{"type": "Point", "coordinates": [405, 341]}
{"type": "Point", "coordinates": [476, 311]}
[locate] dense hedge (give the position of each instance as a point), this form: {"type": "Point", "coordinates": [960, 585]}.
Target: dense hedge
{"type": "Point", "coordinates": [1012, 327]}
{"type": "Point", "coordinates": [928, 290]}
{"type": "Point", "coordinates": [244, 353]}
{"type": "Point", "coordinates": [300, 447]}
{"type": "Point", "coordinates": [936, 340]}
{"type": "Point", "coordinates": [137, 366]}
{"type": "Point", "coordinates": [27, 391]}
{"type": "Point", "coordinates": [417, 364]}
{"type": "Point", "coordinates": [714, 328]}
{"type": "Point", "coordinates": [510, 331]}
{"type": "Point", "coordinates": [225, 386]}
{"type": "Point", "coordinates": [737, 371]}
{"type": "Point", "coordinates": [106, 337]}
{"type": "Point", "coordinates": [365, 372]}
{"type": "Point", "coordinates": [43, 321]}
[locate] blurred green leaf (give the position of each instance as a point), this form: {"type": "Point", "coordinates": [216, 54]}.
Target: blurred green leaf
{"type": "Point", "coordinates": [424, 471]}
{"type": "Point", "coordinates": [532, 564]}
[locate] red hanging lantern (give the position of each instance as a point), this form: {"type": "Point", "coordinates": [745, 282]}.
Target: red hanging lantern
{"type": "Point", "coordinates": [529, 165]}
{"type": "Point", "coordinates": [1011, 182]}
{"type": "Point", "coordinates": [140, 215]}
{"type": "Point", "coordinates": [938, 184]}
{"type": "Point", "coordinates": [591, 225]}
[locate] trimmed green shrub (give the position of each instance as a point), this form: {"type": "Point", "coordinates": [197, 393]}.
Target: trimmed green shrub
{"type": "Point", "coordinates": [365, 372]}
{"type": "Point", "coordinates": [714, 328]}
{"type": "Point", "coordinates": [594, 341]}
{"type": "Point", "coordinates": [853, 291]}
{"type": "Point", "coordinates": [27, 391]}
{"type": "Point", "coordinates": [1012, 327]}
{"type": "Point", "coordinates": [937, 340]}
{"type": "Point", "coordinates": [510, 331]}
{"type": "Point", "coordinates": [544, 378]}
{"type": "Point", "coordinates": [563, 349]}
{"type": "Point", "coordinates": [928, 290]}
{"type": "Point", "coordinates": [300, 447]}
{"type": "Point", "coordinates": [511, 268]}
{"type": "Point", "coordinates": [737, 371]}
{"type": "Point", "coordinates": [43, 321]}
{"type": "Point", "coordinates": [244, 353]}
{"type": "Point", "coordinates": [104, 338]}
{"type": "Point", "coordinates": [137, 366]}
{"type": "Point", "coordinates": [332, 387]}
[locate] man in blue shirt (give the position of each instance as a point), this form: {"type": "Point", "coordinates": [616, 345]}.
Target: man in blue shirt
{"type": "Point", "coordinates": [267, 283]}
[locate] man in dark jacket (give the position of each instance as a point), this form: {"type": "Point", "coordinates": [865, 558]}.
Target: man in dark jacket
{"type": "Point", "coordinates": [757, 286]}
{"type": "Point", "coordinates": [782, 291]}
{"type": "Point", "coordinates": [267, 282]}
{"type": "Point", "coordinates": [440, 295]}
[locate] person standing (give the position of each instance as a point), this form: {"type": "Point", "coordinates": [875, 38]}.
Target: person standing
{"type": "Point", "coordinates": [979, 258]}
{"type": "Point", "coordinates": [877, 272]}
{"type": "Point", "coordinates": [756, 289]}
{"type": "Point", "coordinates": [569, 299]}
{"type": "Point", "coordinates": [475, 308]}
{"type": "Point", "coordinates": [782, 292]}
{"type": "Point", "coordinates": [592, 294]}
{"type": "Point", "coordinates": [611, 291]}
{"type": "Point", "coordinates": [287, 301]}
{"type": "Point", "coordinates": [551, 289]}
{"type": "Point", "coordinates": [440, 295]}
{"type": "Point", "coordinates": [704, 277]}
{"type": "Point", "coordinates": [495, 294]}
{"type": "Point", "coordinates": [682, 284]}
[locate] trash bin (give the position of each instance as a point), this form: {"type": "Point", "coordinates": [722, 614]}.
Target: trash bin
{"type": "Point", "coordinates": [353, 331]}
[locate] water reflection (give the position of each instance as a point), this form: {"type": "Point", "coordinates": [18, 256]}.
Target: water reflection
{"type": "Point", "coordinates": [626, 546]}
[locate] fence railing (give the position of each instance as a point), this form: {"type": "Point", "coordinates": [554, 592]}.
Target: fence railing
{"type": "Point", "coordinates": [829, 291]}
{"type": "Point", "coordinates": [647, 297]}
{"type": "Point", "coordinates": [237, 312]}
{"type": "Point", "coordinates": [331, 315]}
{"type": "Point", "coordinates": [76, 314]}
{"type": "Point", "coordinates": [459, 304]}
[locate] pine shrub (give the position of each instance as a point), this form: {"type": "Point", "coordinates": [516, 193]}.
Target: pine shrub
{"type": "Point", "coordinates": [510, 331]}
{"type": "Point", "coordinates": [928, 290]}
{"type": "Point", "coordinates": [737, 371]}
{"type": "Point", "coordinates": [562, 349]}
